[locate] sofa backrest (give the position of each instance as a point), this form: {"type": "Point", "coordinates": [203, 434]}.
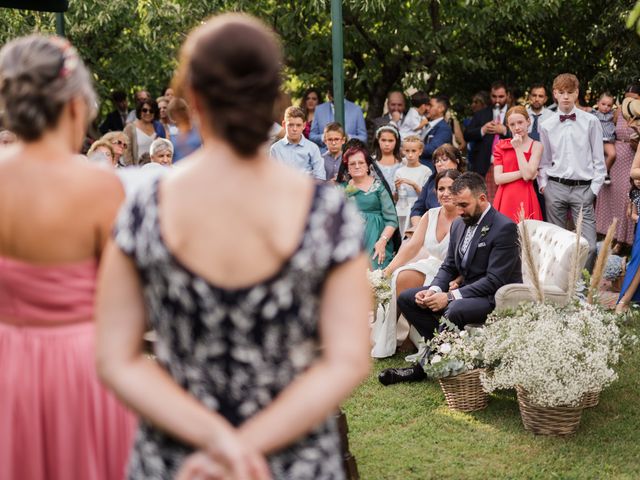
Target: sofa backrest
{"type": "Point", "coordinates": [553, 248]}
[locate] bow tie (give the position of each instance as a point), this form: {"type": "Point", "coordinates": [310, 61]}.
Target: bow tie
{"type": "Point", "coordinates": [571, 117]}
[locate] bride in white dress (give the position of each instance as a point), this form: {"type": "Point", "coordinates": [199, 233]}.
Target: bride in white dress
{"type": "Point", "coordinates": [416, 264]}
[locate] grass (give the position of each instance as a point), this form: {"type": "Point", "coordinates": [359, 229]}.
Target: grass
{"type": "Point", "coordinates": [406, 431]}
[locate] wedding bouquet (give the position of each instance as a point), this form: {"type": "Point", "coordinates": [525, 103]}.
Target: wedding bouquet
{"type": "Point", "coordinates": [381, 287]}
{"type": "Point", "coordinates": [453, 351]}
{"type": "Point", "coordinates": [556, 353]}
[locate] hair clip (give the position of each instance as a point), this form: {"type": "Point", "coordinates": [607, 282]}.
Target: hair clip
{"type": "Point", "coordinates": [70, 58]}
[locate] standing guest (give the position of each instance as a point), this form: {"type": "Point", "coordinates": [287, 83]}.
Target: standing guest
{"type": "Point", "coordinates": [387, 153]}
{"type": "Point", "coordinates": [415, 120]}
{"type": "Point", "coordinates": [334, 139]}
{"type": "Point", "coordinates": [538, 113]}
{"type": "Point", "coordinates": [486, 128]}
{"type": "Point", "coordinates": [138, 97]}
{"type": "Point", "coordinates": [142, 132]}
{"type": "Point", "coordinates": [375, 205]}
{"type": "Point", "coordinates": [310, 101]}
{"type": "Point", "coordinates": [117, 119]}
{"type": "Point", "coordinates": [457, 137]}
{"type": "Point", "coordinates": [104, 150]}
{"type": "Point", "coordinates": [395, 115]}
{"type": "Point", "coordinates": [325, 113]}
{"type": "Point", "coordinates": [515, 166]}
{"type": "Point", "coordinates": [572, 168]}
{"type": "Point", "coordinates": [537, 110]}
{"type": "Point", "coordinates": [58, 422]}
{"type": "Point", "coordinates": [295, 150]}
{"type": "Point", "coordinates": [630, 291]}
{"type": "Point", "coordinates": [120, 142]}
{"type": "Point", "coordinates": [187, 138]}
{"type": "Point", "coordinates": [613, 198]}
{"type": "Point", "coordinates": [163, 117]}
{"type": "Point", "coordinates": [479, 101]}
{"type": "Point", "coordinates": [253, 330]}
{"type": "Point", "coordinates": [604, 113]}
{"type": "Point", "coordinates": [409, 179]}
{"type": "Point", "coordinates": [168, 94]}
{"type": "Point", "coordinates": [446, 157]}
{"type": "Point", "coordinates": [437, 132]}
{"type": "Point", "coordinates": [483, 255]}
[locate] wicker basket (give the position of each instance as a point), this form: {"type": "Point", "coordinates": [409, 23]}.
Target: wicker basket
{"type": "Point", "coordinates": [590, 399]}
{"type": "Point", "coordinates": [557, 421]}
{"type": "Point", "coordinates": [464, 392]}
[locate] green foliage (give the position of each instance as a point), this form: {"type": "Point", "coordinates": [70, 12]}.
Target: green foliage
{"type": "Point", "coordinates": [452, 46]}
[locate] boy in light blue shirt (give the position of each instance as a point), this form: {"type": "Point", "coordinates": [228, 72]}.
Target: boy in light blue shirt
{"type": "Point", "coordinates": [295, 150]}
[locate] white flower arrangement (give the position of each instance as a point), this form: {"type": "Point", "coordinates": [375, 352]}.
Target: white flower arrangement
{"type": "Point", "coordinates": [453, 351]}
{"type": "Point", "coordinates": [557, 354]}
{"type": "Point", "coordinates": [380, 285]}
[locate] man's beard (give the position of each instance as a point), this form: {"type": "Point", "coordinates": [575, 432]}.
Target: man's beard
{"type": "Point", "coordinates": [472, 219]}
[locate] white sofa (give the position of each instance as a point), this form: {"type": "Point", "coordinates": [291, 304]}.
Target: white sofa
{"type": "Point", "coordinates": [553, 248]}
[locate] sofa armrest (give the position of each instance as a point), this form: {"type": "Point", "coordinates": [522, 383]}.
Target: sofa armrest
{"type": "Point", "coordinates": [511, 295]}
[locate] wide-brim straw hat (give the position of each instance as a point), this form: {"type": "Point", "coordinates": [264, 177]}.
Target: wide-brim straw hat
{"type": "Point", "coordinates": [631, 109]}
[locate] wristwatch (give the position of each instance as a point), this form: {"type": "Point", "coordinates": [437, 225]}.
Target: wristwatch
{"type": "Point", "coordinates": [450, 297]}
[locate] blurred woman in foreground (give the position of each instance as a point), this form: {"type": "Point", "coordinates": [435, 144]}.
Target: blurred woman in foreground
{"type": "Point", "coordinates": [253, 330]}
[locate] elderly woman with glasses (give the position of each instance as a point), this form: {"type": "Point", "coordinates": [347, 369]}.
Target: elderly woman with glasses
{"type": "Point", "coordinates": [142, 132]}
{"type": "Point", "coordinates": [445, 157]}
{"type": "Point", "coordinates": [120, 142]}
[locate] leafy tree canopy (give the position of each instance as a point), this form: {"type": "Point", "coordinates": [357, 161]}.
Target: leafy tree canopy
{"type": "Point", "coordinates": [455, 47]}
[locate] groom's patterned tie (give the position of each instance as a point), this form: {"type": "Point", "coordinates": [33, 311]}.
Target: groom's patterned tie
{"type": "Point", "coordinates": [467, 238]}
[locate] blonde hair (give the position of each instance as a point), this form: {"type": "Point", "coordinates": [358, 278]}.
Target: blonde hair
{"type": "Point", "coordinates": [412, 139]}
{"type": "Point", "coordinates": [101, 143]}
{"type": "Point", "coordinates": [517, 109]}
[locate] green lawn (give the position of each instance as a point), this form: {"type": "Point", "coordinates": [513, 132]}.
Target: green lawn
{"type": "Point", "coordinates": [407, 432]}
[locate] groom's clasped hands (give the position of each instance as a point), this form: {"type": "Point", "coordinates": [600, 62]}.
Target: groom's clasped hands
{"type": "Point", "coordinates": [435, 301]}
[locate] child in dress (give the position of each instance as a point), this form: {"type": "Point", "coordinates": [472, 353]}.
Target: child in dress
{"type": "Point", "coordinates": [387, 153]}
{"type": "Point", "coordinates": [515, 166]}
{"type": "Point", "coordinates": [604, 113]}
{"type": "Point", "coordinates": [410, 178]}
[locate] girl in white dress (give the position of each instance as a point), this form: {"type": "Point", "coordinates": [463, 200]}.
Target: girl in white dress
{"type": "Point", "coordinates": [416, 263]}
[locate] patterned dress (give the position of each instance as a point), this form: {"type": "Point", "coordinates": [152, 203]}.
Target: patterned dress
{"type": "Point", "coordinates": [236, 350]}
{"type": "Point", "coordinates": [613, 199]}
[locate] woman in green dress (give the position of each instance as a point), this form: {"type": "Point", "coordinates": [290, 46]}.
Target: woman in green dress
{"type": "Point", "coordinates": [374, 203]}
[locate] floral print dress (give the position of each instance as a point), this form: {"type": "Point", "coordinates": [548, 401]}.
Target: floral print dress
{"type": "Point", "coordinates": [236, 350]}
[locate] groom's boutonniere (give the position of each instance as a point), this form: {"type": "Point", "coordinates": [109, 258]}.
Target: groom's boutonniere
{"type": "Point", "coordinates": [484, 230]}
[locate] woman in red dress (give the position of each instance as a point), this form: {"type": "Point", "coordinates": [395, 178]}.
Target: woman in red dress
{"type": "Point", "coordinates": [515, 166]}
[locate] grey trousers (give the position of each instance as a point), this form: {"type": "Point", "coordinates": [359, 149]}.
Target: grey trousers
{"type": "Point", "coordinates": [561, 198]}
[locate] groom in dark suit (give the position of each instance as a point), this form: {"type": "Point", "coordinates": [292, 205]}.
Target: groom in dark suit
{"type": "Point", "coordinates": [483, 256]}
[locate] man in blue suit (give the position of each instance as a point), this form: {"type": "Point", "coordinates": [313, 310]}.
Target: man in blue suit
{"type": "Point", "coordinates": [483, 256]}
{"type": "Point", "coordinates": [324, 114]}
{"type": "Point", "coordinates": [437, 130]}
{"type": "Point", "coordinates": [485, 129]}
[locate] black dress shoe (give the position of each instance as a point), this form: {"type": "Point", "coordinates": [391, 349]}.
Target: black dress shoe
{"type": "Point", "coordinates": [398, 375]}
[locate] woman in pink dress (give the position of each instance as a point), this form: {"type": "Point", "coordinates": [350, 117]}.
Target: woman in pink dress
{"type": "Point", "coordinates": [515, 165]}
{"type": "Point", "coordinates": [57, 421]}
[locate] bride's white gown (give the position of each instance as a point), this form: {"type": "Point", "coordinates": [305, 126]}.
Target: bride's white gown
{"type": "Point", "coordinates": [386, 334]}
